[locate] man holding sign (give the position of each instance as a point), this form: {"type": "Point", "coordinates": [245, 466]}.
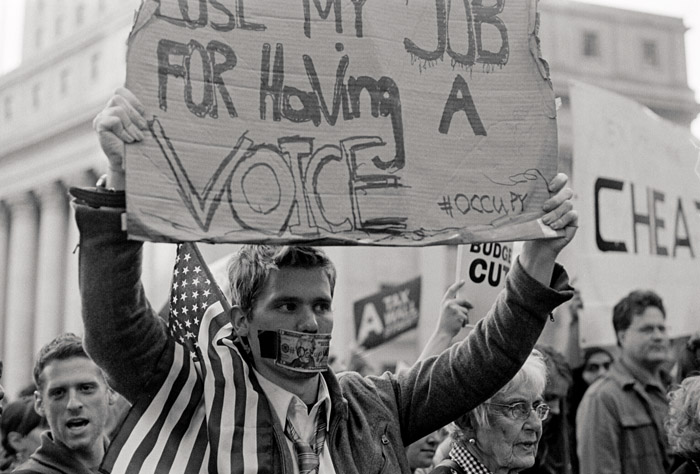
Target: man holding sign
{"type": "Point", "coordinates": [251, 410]}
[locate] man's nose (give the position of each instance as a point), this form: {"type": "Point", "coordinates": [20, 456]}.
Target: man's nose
{"type": "Point", "coordinates": [308, 322]}
{"type": "Point", "coordinates": [74, 400]}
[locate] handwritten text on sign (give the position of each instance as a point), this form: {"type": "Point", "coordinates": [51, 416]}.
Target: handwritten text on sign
{"type": "Point", "coordinates": [366, 121]}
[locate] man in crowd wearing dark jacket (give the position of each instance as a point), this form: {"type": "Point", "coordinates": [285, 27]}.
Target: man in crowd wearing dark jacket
{"type": "Point", "coordinates": [71, 392]}
{"type": "Point", "coordinates": [620, 422]}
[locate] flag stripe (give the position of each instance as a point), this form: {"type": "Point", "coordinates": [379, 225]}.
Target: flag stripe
{"type": "Point", "coordinates": [208, 416]}
{"type": "Point", "coordinates": [173, 416]}
{"type": "Point", "coordinates": [191, 396]}
{"type": "Point", "coordinates": [212, 393]}
{"type": "Point", "coordinates": [238, 438]}
{"type": "Point", "coordinates": [198, 458]}
{"type": "Point", "coordinates": [144, 412]}
{"type": "Point", "coordinates": [136, 421]}
{"type": "Point", "coordinates": [149, 441]}
{"type": "Point", "coordinates": [217, 416]}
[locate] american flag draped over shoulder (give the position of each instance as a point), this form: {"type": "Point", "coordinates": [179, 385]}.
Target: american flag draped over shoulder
{"type": "Point", "coordinates": [193, 292]}
{"type": "Point", "coordinates": [207, 414]}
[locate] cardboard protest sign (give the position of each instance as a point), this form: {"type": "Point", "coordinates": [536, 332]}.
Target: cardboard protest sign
{"type": "Point", "coordinates": [386, 122]}
{"type": "Point", "coordinates": [386, 314]}
{"type": "Point", "coordinates": [639, 208]}
{"type": "Point", "coordinates": [483, 267]}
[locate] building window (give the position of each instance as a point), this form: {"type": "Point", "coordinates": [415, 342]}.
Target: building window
{"type": "Point", "coordinates": [650, 53]}
{"type": "Point", "coordinates": [591, 44]}
{"type": "Point", "coordinates": [79, 14]}
{"type": "Point", "coordinates": [8, 108]}
{"type": "Point", "coordinates": [36, 96]}
{"type": "Point", "coordinates": [95, 66]}
{"type": "Point", "coordinates": [63, 82]}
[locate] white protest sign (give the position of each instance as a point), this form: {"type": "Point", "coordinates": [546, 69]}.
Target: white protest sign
{"type": "Point", "coordinates": [386, 122]}
{"type": "Point", "coordinates": [639, 206]}
{"type": "Point", "coordinates": [483, 267]}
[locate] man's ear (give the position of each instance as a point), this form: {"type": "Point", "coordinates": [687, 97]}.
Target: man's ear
{"type": "Point", "coordinates": [111, 396]}
{"type": "Point", "coordinates": [621, 337]}
{"type": "Point", "coordinates": [470, 426]}
{"type": "Point", "coordinates": [39, 404]}
{"type": "Point", "coordinates": [14, 439]}
{"type": "Point", "coordinates": [239, 321]}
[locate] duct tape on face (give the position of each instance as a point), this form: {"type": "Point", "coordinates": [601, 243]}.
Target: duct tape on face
{"type": "Point", "coordinates": [298, 351]}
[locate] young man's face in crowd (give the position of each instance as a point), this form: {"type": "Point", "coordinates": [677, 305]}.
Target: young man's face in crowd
{"type": "Point", "coordinates": [646, 341]}
{"type": "Point", "coordinates": [297, 299]}
{"type": "Point", "coordinates": [596, 366]}
{"type": "Point", "coordinates": [420, 453]}
{"type": "Point", "coordinates": [75, 400]}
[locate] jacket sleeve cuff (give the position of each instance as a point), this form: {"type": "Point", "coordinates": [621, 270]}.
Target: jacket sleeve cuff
{"type": "Point", "coordinates": [97, 197]}
{"type": "Point", "coordinates": [542, 298]}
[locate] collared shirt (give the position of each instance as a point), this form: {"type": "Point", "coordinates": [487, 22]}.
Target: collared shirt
{"type": "Point", "coordinates": [619, 424]}
{"type": "Point", "coordinates": [466, 460]}
{"type": "Point", "coordinates": [652, 387]}
{"type": "Point", "coordinates": [287, 405]}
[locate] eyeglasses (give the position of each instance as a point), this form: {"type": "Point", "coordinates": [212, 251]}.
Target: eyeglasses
{"type": "Point", "coordinates": [593, 367]}
{"type": "Point", "coordinates": [521, 410]}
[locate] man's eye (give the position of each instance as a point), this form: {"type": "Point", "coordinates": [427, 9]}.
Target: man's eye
{"type": "Point", "coordinates": [87, 388]}
{"type": "Point", "coordinates": [322, 307]}
{"type": "Point", "coordinates": [56, 393]}
{"type": "Point", "coordinates": [288, 307]}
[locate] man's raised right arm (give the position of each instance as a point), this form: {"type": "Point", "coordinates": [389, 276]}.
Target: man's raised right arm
{"type": "Point", "coordinates": [122, 332]}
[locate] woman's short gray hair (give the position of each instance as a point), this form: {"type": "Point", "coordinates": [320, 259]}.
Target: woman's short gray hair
{"type": "Point", "coordinates": [533, 375]}
{"type": "Point", "coordinates": [683, 422]}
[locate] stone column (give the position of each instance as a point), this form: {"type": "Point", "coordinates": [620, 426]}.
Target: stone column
{"type": "Point", "coordinates": [4, 248]}
{"type": "Point", "coordinates": [51, 278]}
{"type": "Point", "coordinates": [21, 283]}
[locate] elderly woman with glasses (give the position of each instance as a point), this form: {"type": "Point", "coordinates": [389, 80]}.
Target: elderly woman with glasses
{"type": "Point", "coordinates": [683, 424]}
{"type": "Point", "coordinates": [500, 436]}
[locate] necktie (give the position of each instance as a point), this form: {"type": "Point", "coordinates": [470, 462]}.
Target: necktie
{"type": "Point", "coordinates": [307, 455]}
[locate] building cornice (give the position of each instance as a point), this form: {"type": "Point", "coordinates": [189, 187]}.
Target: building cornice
{"type": "Point", "coordinates": [67, 48]}
{"type": "Point", "coordinates": [614, 15]}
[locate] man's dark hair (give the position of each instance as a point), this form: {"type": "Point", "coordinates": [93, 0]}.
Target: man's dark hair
{"type": "Point", "coordinates": [63, 347]}
{"type": "Point", "coordinates": [632, 305]}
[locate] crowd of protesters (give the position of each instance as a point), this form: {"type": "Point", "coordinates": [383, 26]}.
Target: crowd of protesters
{"type": "Point", "coordinates": [67, 417]}
{"type": "Point", "coordinates": [491, 403]}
